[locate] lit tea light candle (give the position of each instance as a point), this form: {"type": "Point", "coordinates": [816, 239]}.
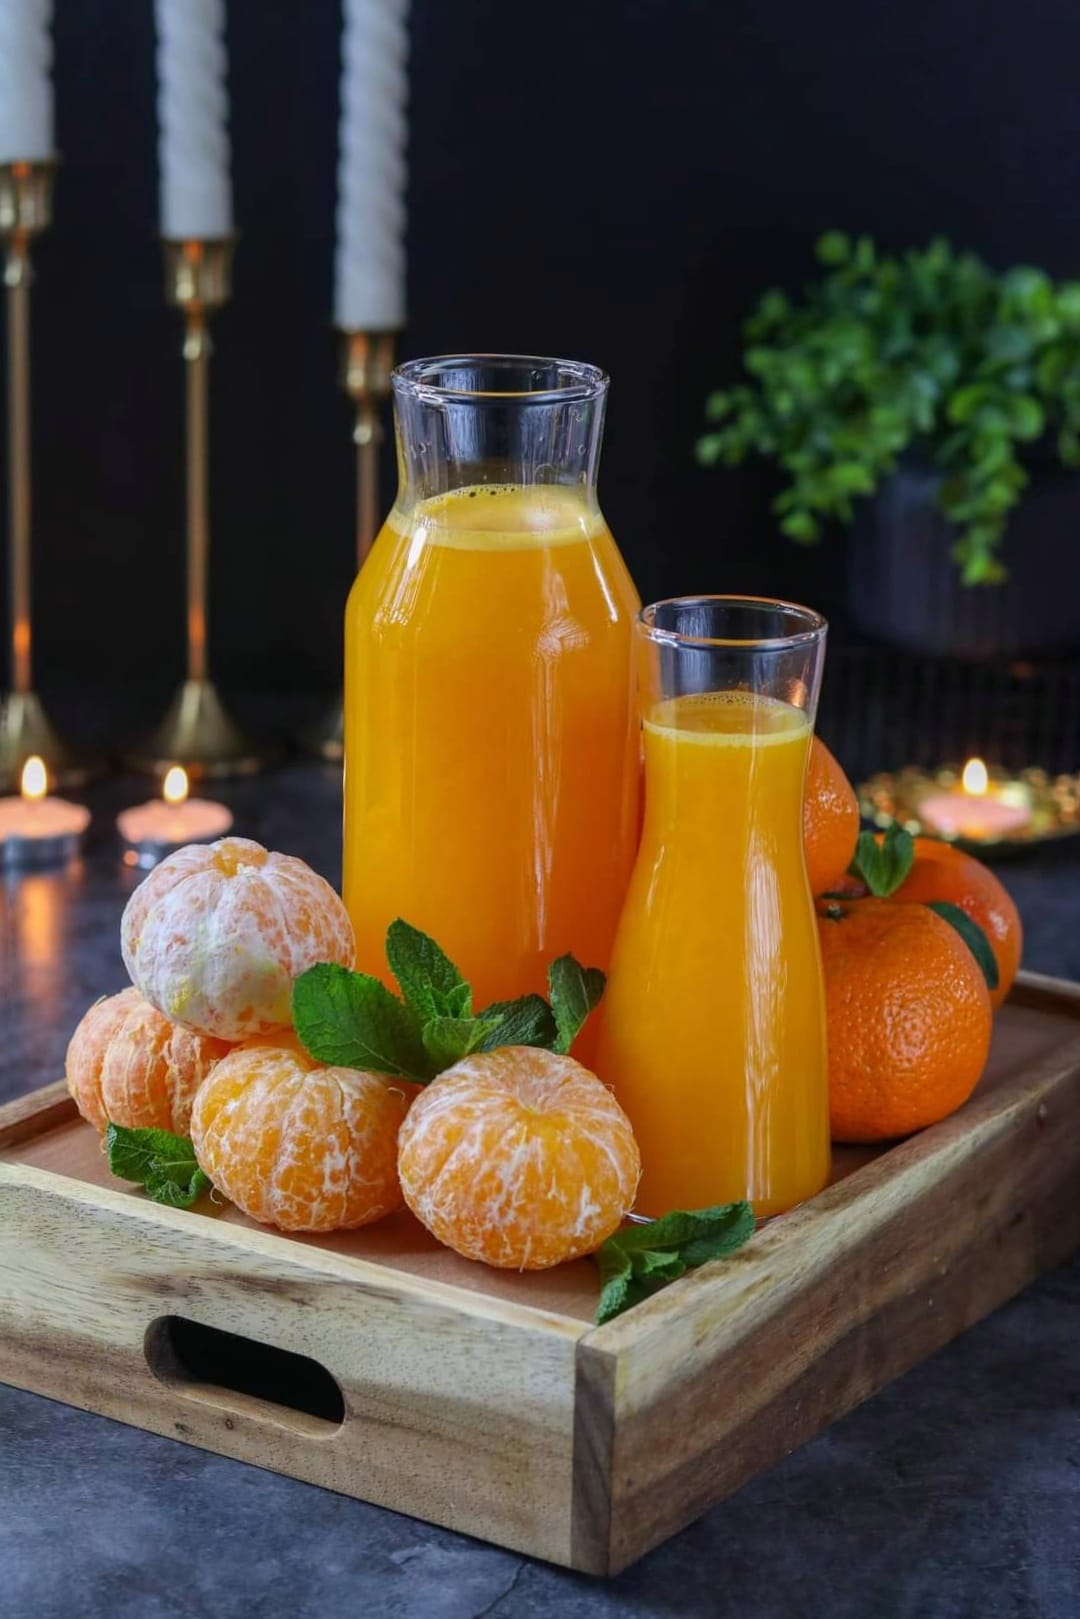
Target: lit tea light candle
{"type": "Point", "coordinates": [36, 830]}
{"type": "Point", "coordinates": [978, 810]}
{"type": "Point", "coordinates": [151, 831]}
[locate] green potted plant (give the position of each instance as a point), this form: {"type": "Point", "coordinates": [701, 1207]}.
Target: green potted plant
{"type": "Point", "coordinates": [922, 399]}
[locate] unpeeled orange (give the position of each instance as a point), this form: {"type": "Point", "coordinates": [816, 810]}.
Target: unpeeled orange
{"type": "Point", "coordinates": [298, 1145]}
{"type": "Point", "coordinates": [908, 1017]}
{"type": "Point", "coordinates": [518, 1157]}
{"type": "Point", "coordinates": [943, 872]}
{"type": "Point", "coordinates": [127, 1064]}
{"type": "Point", "coordinates": [830, 819]}
{"type": "Point", "coordinates": [216, 934]}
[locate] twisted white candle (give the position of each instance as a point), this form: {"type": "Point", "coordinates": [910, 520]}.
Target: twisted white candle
{"type": "Point", "coordinates": [369, 292]}
{"type": "Point", "coordinates": [193, 143]}
{"type": "Point", "coordinates": [26, 97]}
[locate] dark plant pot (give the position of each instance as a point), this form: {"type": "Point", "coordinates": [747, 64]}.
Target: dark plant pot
{"type": "Point", "coordinates": [904, 588]}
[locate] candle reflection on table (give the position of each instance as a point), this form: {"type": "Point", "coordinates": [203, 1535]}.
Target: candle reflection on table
{"type": "Point", "coordinates": [34, 939]}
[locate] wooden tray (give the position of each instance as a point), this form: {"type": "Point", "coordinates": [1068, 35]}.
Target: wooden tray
{"type": "Point", "coordinates": [488, 1402]}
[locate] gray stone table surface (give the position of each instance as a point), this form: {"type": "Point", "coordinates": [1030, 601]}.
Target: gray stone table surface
{"type": "Point", "coordinates": [954, 1494]}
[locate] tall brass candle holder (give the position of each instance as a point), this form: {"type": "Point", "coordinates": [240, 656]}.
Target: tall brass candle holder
{"type": "Point", "coordinates": [25, 729]}
{"type": "Point", "coordinates": [196, 731]}
{"type": "Point", "coordinates": [367, 359]}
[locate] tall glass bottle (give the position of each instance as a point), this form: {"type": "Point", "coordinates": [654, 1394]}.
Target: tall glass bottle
{"type": "Point", "coordinates": [491, 738]}
{"type": "Point", "coordinates": [713, 1025]}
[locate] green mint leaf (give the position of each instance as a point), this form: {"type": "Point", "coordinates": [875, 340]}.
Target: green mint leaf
{"type": "Point", "coordinates": [525, 1022]}
{"type": "Point", "coordinates": [640, 1259]}
{"type": "Point", "coordinates": [459, 1001]}
{"type": "Point", "coordinates": [162, 1188]}
{"type": "Point", "coordinates": [619, 1293]}
{"type": "Point", "coordinates": [131, 1153]}
{"type": "Point", "coordinates": [616, 1281]}
{"type": "Point", "coordinates": [648, 1262]}
{"type": "Point", "coordinates": [351, 1020]}
{"type": "Point", "coordinates": [159, 1161]}
{"type": "Point", "coordinates": [448, 1039]}
{"type": "Point", "coordinates": [575, 990]}
{"type": "Point", "coordinates": [431, 984]}
{"type": "Point", "coordinates": [884, 866]}
{"type": "Point", "coordinates": [973, 936]}
{"type": "Point", "coordinates": [695, 1234]}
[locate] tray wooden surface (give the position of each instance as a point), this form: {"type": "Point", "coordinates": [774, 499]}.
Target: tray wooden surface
{"type": "Point", "coordinates": [487, 1401]}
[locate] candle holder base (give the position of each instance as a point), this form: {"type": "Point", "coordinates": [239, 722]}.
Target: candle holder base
{"type": "Point", "coordinates": [326, 738]}
{"type": "Point", "coordinates": [1052, 802]}
{"type": "Point", "coordinates": [198, 734]}
{"type": "Point", "coordinates": [26, 730]}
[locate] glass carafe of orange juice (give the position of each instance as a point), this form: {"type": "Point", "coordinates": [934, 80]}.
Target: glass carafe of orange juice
{"type": "Point", "coordinates": [712, 1028]}
{"type": "Point", "coordinates": [491, 736]}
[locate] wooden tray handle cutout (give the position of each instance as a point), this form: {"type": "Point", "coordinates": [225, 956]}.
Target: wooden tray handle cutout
{"type": "Point", "coordinates": [243, 1377]}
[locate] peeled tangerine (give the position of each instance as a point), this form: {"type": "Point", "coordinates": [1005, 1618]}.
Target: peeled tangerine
{"type": "Point", "coordinates": [216, 934]}
{"type": "Point", "coordinates": [297, 1145]}
{"type": "Point", "coordinates": [128, 1064]}
{"type": "Point", "coordinates": [518, 1157]}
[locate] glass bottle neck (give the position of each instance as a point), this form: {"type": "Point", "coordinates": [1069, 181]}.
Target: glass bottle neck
{"type": "Point", "coordinates": [479, 420]}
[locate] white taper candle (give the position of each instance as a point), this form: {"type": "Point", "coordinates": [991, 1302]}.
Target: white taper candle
{"type": "Point", "coordinates": [26, 97]}
{"type": "Point", "coordinates": [193, 143]}
{"type": "Point", "coordinates": [369, 279]}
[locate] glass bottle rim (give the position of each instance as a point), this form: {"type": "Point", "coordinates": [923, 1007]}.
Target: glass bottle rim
{"type": "Point", "coordinates": [578, 380]}
{"type": "Point", "coordinates": [814, 624]}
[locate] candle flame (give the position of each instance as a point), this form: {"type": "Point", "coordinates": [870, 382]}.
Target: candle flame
{"type": "Point", "coordinates": [174, 789]}
{"type": "Point", "coordinates": [975, 779]}
{"type": "Point", "coordinates": [35, 780]}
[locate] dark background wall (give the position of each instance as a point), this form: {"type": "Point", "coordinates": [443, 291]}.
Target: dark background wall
{"type": "Point", "coordinates": [609, 179]}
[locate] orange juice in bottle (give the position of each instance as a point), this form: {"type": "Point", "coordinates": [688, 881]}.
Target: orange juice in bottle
{"type": "Point", "coordinates": [491, 738]}
{"type": "Point", "coordinates": [713, 1029]}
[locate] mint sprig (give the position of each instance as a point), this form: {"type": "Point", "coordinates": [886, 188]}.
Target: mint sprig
{"type": "Point", "coordinates": [525, 1022]}
{"type": "Point", "coordinates": [448, 1039]}
{"type": "Point", "coordinates": [640, 1259]}
{"type": "Point", "coordinates": [429, 981]}
{"type": "Point", "coordinates": [352, 1020]}
{"type": "Point", "coordinates": [164, 1164]}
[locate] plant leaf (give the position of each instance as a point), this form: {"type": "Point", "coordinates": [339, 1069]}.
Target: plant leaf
{"type": "Point", "coordinates": [161, 1162]}
{"type": "Point", "coordinates": [525, 1022]}
{"type": "Point", "coordinates": [448, 1039]}
{"type": "Point", "coordinates": [639, 1259]}
{"type": "Point", "coordinates": [721, 1228]}
{"type": "Point", "coordinates": [973, 936]}
{"type": "Point", "coordinates": [174, 1194]}
{"type": "Point", "coordinates": [575, 990]}
{"type": "Point", "coordinates": [884, 866]}
{"type": "Point", "coordinates": [649, 1262]}
{"type": "Point", "coordinates": [616, 1282]}
{"type": "Point", "coordinates": [351, 1020]}
{"type": "Point", "coordinates": [431, 984]}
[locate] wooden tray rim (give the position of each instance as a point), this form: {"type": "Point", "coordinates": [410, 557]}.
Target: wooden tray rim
{"type": "Point", "coordinates": [739, 1276]}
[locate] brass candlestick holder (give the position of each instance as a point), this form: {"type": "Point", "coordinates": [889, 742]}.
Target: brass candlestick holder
{"type": "Point", "coordinates": [367, 359]}
{"type": "Point", "coordinates": [197, 732]}
{"type": "Point", "coordinates": [25, 729]}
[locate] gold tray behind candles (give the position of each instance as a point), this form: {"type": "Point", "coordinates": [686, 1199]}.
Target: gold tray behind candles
{"type": "Point", "coordinates": [1053, 803]}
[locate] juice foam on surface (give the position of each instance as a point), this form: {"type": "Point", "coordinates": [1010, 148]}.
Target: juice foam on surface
{"type": "Point", "coordinates": [727, 719]}
{"type": "Point", "coordinates": [502, 517]}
